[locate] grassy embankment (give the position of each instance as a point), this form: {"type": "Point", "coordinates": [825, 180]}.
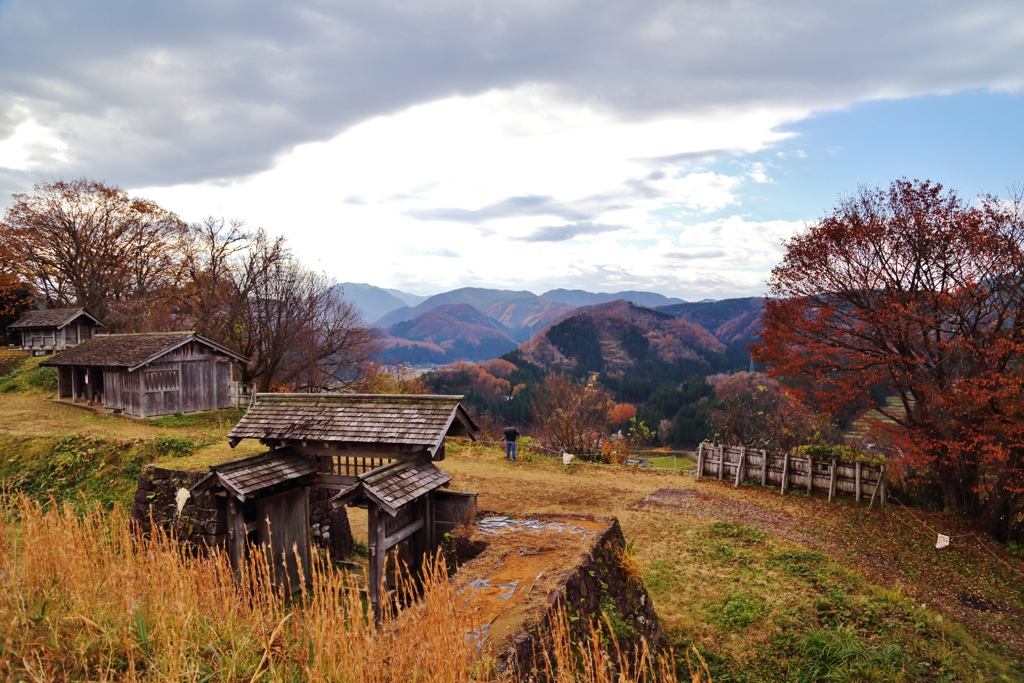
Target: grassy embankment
{"type": "Point", "coordinates": [768, 588]}
{"type": "Point", "coordinates": [75, 453]}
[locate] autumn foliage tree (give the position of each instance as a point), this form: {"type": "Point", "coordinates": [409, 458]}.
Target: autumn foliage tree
{"type": "Point", "coordinates": [754, 410]}
{"type": "Point", "coordinates": [15, 294]}
{"type": "Point", "coordinates": [573, 416]}
{"type": "Point", "coordinates": [911, 289]}
{"type": "Point", "coordinates": [246, 290]}
{"type": "Point", "coordinates": [85, 243]}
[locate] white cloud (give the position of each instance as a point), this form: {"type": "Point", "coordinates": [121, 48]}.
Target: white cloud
{"type": "Point", "coordinates": [525, 187]}
{"type": "Point", "coordinates": [31, 147]}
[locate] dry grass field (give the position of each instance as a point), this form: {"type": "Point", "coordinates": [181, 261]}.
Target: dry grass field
{"type": "Point", "coordinates": [767, 588]}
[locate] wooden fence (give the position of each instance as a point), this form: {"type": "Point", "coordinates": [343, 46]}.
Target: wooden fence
{"type": "Point", "coordinates": [240, 394]}
{"type": "Point", "coordinates": [789, 471]}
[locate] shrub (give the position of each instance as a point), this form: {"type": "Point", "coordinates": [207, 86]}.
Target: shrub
{"type": "Point", "coordinates": [738, 610]}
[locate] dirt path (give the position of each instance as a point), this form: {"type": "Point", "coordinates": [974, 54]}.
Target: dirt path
{"type": "Point", "coordinates": [963, 607]}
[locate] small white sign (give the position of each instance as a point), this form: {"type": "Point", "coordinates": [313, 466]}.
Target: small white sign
{"type": "Point", "coordinates": [567, 458]}
{"type": "Point", "coordinates": [942, 542]}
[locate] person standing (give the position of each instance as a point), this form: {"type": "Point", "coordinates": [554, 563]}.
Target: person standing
{"type": "Point", "coordinates": [511, 436]}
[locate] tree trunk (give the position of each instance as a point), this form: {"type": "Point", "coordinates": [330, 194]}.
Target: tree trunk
{"type": "Point", "coordinates": [995, 515]}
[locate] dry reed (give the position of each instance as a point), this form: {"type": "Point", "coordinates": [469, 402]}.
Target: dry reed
{"type": "Point", "coordinates": [87, 597]}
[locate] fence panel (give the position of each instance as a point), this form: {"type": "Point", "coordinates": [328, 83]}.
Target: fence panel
{"type": "Point", "coordinates": [789, 471]}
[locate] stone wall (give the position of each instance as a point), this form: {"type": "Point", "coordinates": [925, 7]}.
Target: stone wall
{"type": "Point", "coordinates": [596, 584]}
{"type": "Point", "coordinates": [203, 522]}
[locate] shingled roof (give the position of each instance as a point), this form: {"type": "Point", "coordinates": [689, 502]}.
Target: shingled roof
{"type": "Point", "coordinates": [398, 419]}
{"type": "Point", "coordinates": [245, 476]}
{"type": "Point", "coordinates": [51, 317]}
{"type": "Point", "coordinates": [130, 350]}
{"type": "Point", "coordinates": [393, 485]}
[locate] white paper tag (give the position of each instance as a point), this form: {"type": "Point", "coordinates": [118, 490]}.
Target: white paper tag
{"type": "Point", "coordinates": [942, 542]}
{"type": "Point", "coordinates": [567, 458]}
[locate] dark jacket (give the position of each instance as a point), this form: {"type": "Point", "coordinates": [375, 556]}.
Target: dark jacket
{"type": "Point", "coordinates": [511, 434]}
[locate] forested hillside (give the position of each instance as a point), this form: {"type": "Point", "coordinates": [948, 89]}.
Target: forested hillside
{"type": "Point", "coordinates": [648, 358]}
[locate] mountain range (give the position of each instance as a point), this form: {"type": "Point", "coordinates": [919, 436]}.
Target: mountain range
{"type": "Point", "coordinates": [478, 324]}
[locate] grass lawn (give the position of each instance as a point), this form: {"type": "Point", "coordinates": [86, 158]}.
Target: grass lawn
{"type": "Point", "coordinates": [858, 593]}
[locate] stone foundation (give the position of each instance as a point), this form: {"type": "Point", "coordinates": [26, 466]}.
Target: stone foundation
{"type": "Point", "coordinates": [595, 585]}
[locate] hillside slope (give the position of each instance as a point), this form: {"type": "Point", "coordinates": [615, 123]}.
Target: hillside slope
{"type": "Point", "coordinates": [615, 336]}
{"type": "Point", "coordinates": [730, 320]}
{"type": "Point", "coordinates": [445, 334]}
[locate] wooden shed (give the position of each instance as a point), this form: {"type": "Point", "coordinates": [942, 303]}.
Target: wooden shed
{"type": "Point", "coordinates": [54, 329]}
{"type": "Point", "coordinates": [147, 375]}
{"type": "Point", "coordinates": [377, 451]}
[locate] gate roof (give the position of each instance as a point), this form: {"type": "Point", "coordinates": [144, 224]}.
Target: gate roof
{"type": "Point", "coordinates": [393, 419]}
{"type": "Point", "coordinates": [245, 476]}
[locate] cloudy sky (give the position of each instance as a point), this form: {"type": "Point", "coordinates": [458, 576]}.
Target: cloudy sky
{"type": "Point", "coordinates": [666, 146]}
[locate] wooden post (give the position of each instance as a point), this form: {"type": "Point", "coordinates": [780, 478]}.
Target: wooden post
{"type": "Point", "coordinates": [236, 536]}
{"type": "Point", "coordinates": [785, 473]}
{"type": "Point", "coordinates": [881, 481]}
{"type": "Point", "coordinates": [856, 476]}
{"type": "Point", "coordinates": [721, 462]}
{"type": "Point", "coordinates": [810, 475]}
{"type": "Point", "coordinates": [764, 467]}
{"type": "Point", "coordinates": [375, 536]}
{"type": "Point", "coordinates": [874, 492]}
{"type": "Point", "coordinates": [431, 534]}
{"type": "Point", "coordinates": [74, 384]}
{"type": "Point", "coordinates": [832, 481]}
{"type": "Point", "coordinates": [700, 461]}
{"type": "Point", "coordinates": [741, 466]}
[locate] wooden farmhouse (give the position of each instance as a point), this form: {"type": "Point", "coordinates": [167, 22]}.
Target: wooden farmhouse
{"type": "Point", "coordinates": [147, 375]}
{"type": "Point", "coordinates": [54, 329]}
{"type": "Point", "coordinates": [375, 451]}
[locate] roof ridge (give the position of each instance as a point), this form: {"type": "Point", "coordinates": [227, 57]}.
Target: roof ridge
{"type": "Point", "coordinates": [335, 395]}
{"type": "Point", "coordinates": [141, 334]}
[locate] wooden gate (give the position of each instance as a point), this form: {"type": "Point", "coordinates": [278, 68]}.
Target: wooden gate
{"type": "Point", "coordinates": [283, 522]}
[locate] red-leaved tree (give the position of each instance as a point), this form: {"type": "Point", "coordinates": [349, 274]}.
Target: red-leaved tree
{"type": "Point", "coordinates": [911, 289]}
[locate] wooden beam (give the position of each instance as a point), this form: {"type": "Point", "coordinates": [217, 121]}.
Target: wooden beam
{"type": "Point", "coordinates": [764, 467]}
{"type": "Point", "coordinates": [810, 475]}
{"type": "Point", "coordinates": [721, 462]}
{"type": "Point", "coordinates": [332, 481]}
{"type": "Point", "coordinates": [700, 461]}
{"type": "Point", "coordinates": [785, 473]}
{"type": "Point", "coordinates": [346, 497]}
{"type": "Point", "coordinates": [402, 534]}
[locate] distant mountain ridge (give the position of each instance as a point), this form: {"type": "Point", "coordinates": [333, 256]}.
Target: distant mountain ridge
{"type": "Point", "coordinates": [478, 324]}
{"type": "Point", "coordinates": [373, 302]}
{"type": "Point", "coordinates": [579, 297]}
{"type": "Point", "coordinates": [520, 312]}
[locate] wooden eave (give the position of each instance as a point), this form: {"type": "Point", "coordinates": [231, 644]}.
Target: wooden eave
{"type": "Point", "coordinates": [392, 486]}
{"type": "Point", "coordinates": [244, 477]}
